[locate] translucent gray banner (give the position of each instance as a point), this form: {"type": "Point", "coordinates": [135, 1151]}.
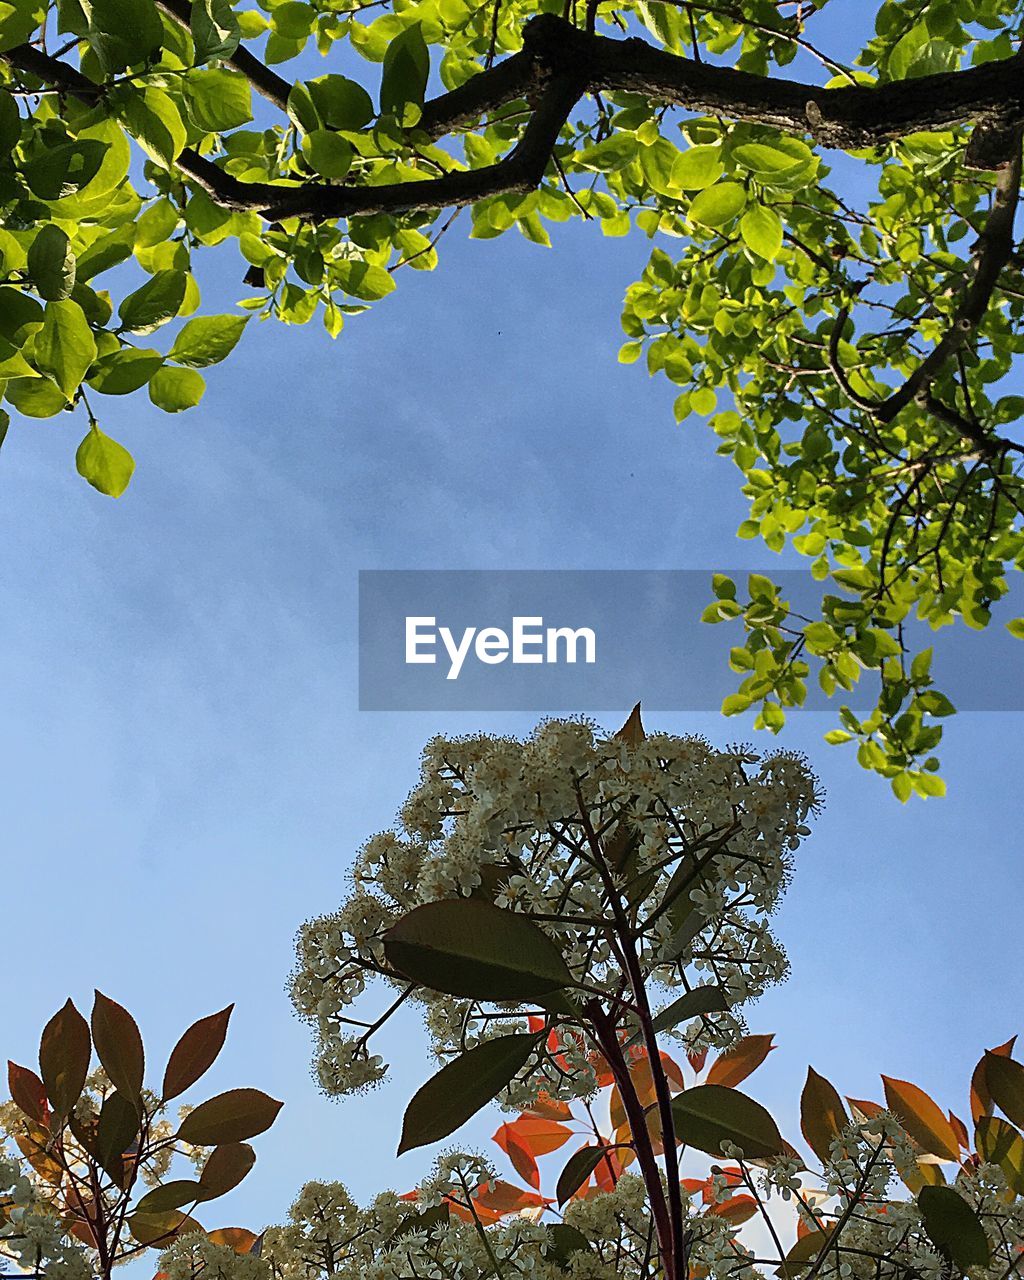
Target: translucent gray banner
{"type": "Point", "coordinates": [593, 640]}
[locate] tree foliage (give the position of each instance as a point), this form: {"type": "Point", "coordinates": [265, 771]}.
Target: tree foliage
{"type": "Point", "coordinates": [834, 280]}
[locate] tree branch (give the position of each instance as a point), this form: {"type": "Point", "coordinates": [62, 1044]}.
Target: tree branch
{"type": "Point", "coordinates": [558, 65]}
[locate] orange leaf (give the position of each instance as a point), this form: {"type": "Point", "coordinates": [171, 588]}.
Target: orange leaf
{"type": "Point", "coordinates": [735, 1064]}
{"type": "Point", "coordinates": [240, 1239]}
{"type": "Point", "coordinates": [549, 1108]}
{"type": "Point", "coordinates": [503, 1198]}
{"type": "Point", "coordinates": [981, 1099]}
{"type": "Point", "coordinates": [519, 1153]}
{"type": "Point", "coordinates": [737, 1210]}
{"type": "Point", "coordinates": [538, 1135]}
{"type": "Point", "coordinates": [922, 1118]}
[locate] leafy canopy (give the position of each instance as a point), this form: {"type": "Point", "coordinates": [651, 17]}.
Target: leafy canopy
{"type": "Point", "coordinates": [834, 280]}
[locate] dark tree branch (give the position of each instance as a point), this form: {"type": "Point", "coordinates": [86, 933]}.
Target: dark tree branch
{"type": "Point", "coordinates": [994, 250]}
{"type": "Point", "coordinates": [558, 65]}
{"type": "Point", "coordinates": [273, 87]}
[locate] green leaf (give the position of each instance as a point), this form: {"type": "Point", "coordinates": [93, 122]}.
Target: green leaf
{"type": "Point", "coordinates": [36, 397]}
{"type": "Point", "coordinates": [65, 346]}
{"type": "Point", "coordinates": [761, 231]}
{"type": "Point", "coordinates": [340, 102]}
{"type": "Point", "coordinates": [175, 390]}
{"type": "Point", "coordinates": [697, 168]}
{"type": "Point", "coordinates": [718, 205]}
{"type": "Point", "coordinates": [710, 1114]}
{"type": "Point", "coordinates": [578, 1168]}
{"type": "Point", "coordinates": [125, 371]}
{"type": "Point", "coordinates": [953, 1226]}
{"type": "Point", "coordinates": [154, 121]}
{"type": "Point", "coordinates": [466, 947]}
{"type": "Point", "coordinates": [10, 123]}
{"type": "Point", "coordinates": [404, 82]}
{"type": "Point", "coordinates": [1016, 628]}
{"type": "Point", "coordinates": [1005, 1079]}
{"type": "Point", "coordinates": [51, 264]}
{"type": "Point", "coordinates": [462, 1087]}
{"type": "Point", "coordinates": [118, 1046]}
{"type": "Point", "coordinates": [18, 21]}
{"type": "Point", "coordinates": [705, 999]}
{"type": "Point", "coordinates": [64, 1053]}
{"type": "Point", "coordinates": [1000, 1143]}
{"type": "Point", "coordinates": [156, 302]}
{"type": "Point", "coordinates": [218, 100]}
{"type": "Point", "coordinates": [124, 33]}
{"type": "Point", "coordinates": [363, 279]}
{"type": "Point", "coordinates": [170, 1195]}
{"type": "Point", "coordinates": [207, 340]}
{"type": "Point", "coordinates": [328, 153]}
{"type": "Point", "coordinates": [107, 465]}
{"type": "Point", "coordinates": [293, 20]}
{"type": "Point", "coordinates": [564, 1241]}
{"type": "Point", "coordinates": [117, 1129]}
{"type": "Point", "coordinates": [215, 29]}
{"type": "Point", "coordinates": [229, 1117]}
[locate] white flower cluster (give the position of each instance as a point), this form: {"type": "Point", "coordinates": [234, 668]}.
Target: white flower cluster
{"type": "Point", "coordinates": [695, 842]}
{"type": "Point", "coordinates": [31, 1234]}
{"type": "Point", "coordinates": [195, 1257]}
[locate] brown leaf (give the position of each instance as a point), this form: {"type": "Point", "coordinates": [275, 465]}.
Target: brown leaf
{"type": "Point", "coordinates": [229, 1117]}
{"type": "Point", "coordinates": [225, 1168]}
{"type": "Point", "coordinates": [28, 1092]}
{"type": "Point", "coordinates": [118, 1046]}
{"type": "Point", "coordinates": [632, 732]}
{"type": "Point", "coordinates": [822, 1114]}
{"type": "Point", "coordinates": [64, 1053]}
{"type": "Point", "coordinates": [195, 1052]}
{"type": "Point", "coordinates": [981, 1099]}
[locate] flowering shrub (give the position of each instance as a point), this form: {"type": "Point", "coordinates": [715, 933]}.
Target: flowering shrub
{"type": "Point", "coordinates": [91, 1190]}
{"type": "Point", "coordinates": [565, 910]}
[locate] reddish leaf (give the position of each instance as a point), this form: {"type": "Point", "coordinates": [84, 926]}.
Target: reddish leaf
{"type": "Point", "coordinates": [735, 1064]}
{"type": "Point", "coordinates": [608, 1170]}
{"type": "Point", "coordinates": [195, 1052]}
{"type": "Point", "coordinates": [503, 1198]}
{"type": "Point", "coordinates": [229, 1117]}
{"type": "Point", "coordinates": [981, 1099]}
{"type": "Point", "coordinates": [922, 1118]}
{"type": "Point", "coordinates": [960, 1129]}
{"type": "Point", "coordinates": [697, 1060]}
{"type": "Point", "coordinates": [864, 1110]}
{"type": "Point", "coordinates": [737, 1210]}
{"type": "Point", "coordinates": [519, 1153]}
{"type": "Point", "coordinates": [28, 1092]}
{"type": "Point", "coordinates": [822, 1114]}
{"type": "Point", "coordinates": [549, 1108]}
{"type": "Point", "coordinates": [118, 1046]}
{"type": "Point", "coordinates": [64, 1053]}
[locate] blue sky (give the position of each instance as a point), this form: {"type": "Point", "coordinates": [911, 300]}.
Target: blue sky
{"type": "Point", "coordinates": [186, 773]}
